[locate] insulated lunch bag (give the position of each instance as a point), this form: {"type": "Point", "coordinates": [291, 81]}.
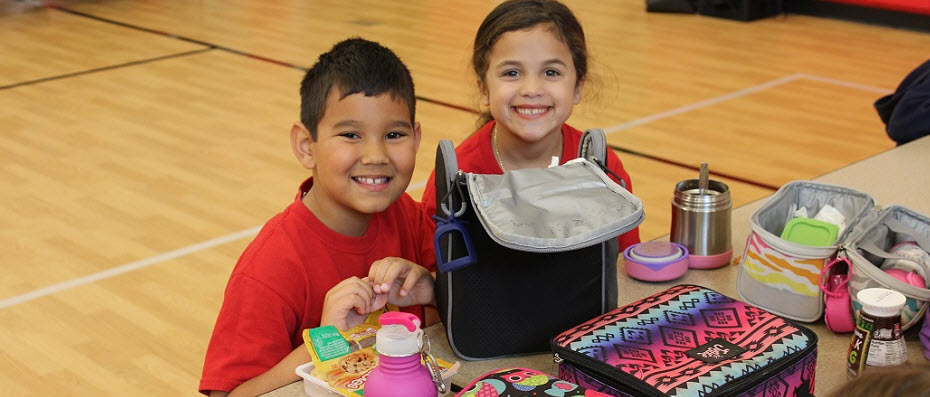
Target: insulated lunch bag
{"type": "Point", "coordinates": [689, 341]}
{"type": "Point", "coordinates": [785, 277]}
{"type": "Point", "coordinates": [872, 255]}
{"type": "Point", "coordinates": [524, 255]}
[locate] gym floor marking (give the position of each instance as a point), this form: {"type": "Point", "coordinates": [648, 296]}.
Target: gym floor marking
{"type": "Point", "coordinates": [737, 94]}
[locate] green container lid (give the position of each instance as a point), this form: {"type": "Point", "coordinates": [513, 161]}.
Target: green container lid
{"type": "Point", "coordinates": [812, 232]}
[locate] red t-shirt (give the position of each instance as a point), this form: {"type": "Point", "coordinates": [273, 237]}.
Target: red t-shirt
{"type": "Point", "coordinates": [278, 285]}
{"type": "Point", "coordinates": [476, 155]}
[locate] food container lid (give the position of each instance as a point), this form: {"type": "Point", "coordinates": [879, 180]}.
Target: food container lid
{"type": "Point", "coordinates": [810, 232]}
{"type": "Point", "coordinates": [656, 252]}
{"type": "Point", "coordinates": [881, 302]}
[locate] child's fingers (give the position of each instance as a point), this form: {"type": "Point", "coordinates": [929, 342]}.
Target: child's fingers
{"type": "Point", "coordinates": [386, 272]}
{"type": "Point", "coordinates": [363, 290]}
{"type": "Point", "coordinates": [378, 273]}
{"type": "Point", "coordinates": [359, 286]}
{"type": "Point", "coordinates": [375, 272]}
{"type": "Point", "coordinates": [397, 269]}
{"type": "Point", "coordinates": [353, 293]}
{"type": "Point", "coordinates": [413, 277]}
{"type": "Point", "coordinates": [359, 303]}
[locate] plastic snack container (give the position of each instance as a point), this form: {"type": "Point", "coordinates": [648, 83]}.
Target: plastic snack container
{"type": "Point", "coordinates": [656, 261]}
{"type": "Point", "coordinates": [316, 387]}
{"type": "Point", "coordinates": [810, 232]}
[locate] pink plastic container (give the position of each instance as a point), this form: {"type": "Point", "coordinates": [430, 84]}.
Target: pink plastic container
{"type": "Point", "coordinates": [656, 261]}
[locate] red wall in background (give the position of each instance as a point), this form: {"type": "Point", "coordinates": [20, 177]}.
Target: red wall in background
{"type": "Point", "coordinates": [914, 6]}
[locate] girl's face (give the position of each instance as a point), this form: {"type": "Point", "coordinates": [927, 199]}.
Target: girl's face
{"type": "Point", "coordinates": [531, 84]}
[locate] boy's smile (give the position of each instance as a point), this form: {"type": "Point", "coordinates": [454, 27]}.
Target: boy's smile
{"type": "Point", "coordinates": [362, 159]}
{"type": "Point", "coordinates": [375, 184]}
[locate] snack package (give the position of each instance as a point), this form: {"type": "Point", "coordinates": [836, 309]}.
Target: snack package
{"type": "Point", "coordinates": [345, 358]}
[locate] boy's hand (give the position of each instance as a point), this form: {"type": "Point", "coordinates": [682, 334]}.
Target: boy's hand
{"type": "Point", "coordinates": [348, 303]}
{"type": "Point", "coordinates": [403, 282]}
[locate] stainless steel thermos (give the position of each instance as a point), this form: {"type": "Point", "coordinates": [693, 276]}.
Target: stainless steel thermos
{"type": "Point", "coordinates": [701, 221]}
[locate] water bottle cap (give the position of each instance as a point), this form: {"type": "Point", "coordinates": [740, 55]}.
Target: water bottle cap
{"type": "Point", "coordinates": [881, 302]}
{"type": "Point", "coordinates": [400, 334]}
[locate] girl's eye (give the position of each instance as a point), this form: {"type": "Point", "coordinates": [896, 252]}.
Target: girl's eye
{"type": "Point", "coordinates": [511, 73]}
{"type": "Point", "coordinates": [552, 73]}
{"type": "Point", "coordinates": [395, 135]}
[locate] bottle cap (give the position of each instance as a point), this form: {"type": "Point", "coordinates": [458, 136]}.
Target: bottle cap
{"type": "Point", "coordinates": [881, 302]}
{"type": "Point", "coordinates": [400, 334]}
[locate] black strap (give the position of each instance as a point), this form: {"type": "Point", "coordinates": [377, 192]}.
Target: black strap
{"type": "Point", "coordinates": [593, 148]}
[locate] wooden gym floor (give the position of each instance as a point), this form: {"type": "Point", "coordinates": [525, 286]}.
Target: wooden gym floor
{"type": "Point", "coordinates": [142, 144]}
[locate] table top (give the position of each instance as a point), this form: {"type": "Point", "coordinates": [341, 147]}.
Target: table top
{"type": "Point", "coordinates": [891, 177]}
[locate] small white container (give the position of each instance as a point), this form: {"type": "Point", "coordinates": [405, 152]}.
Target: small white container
{"type": "Point", "coordinates": [316, 387]}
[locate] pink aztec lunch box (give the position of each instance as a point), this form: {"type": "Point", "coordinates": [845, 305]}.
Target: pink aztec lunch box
{"type": "Point", "coordinates": [689, 341]}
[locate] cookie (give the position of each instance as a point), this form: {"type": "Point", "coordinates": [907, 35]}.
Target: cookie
{"type": "Point", "coordinates": [358, 362]}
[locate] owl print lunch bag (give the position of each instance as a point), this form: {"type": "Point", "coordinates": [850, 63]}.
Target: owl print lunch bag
{"type": "Point", "coordinates": [523, 382]}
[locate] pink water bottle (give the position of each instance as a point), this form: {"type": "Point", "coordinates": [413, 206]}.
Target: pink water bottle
{"type": "Point", "coordinates": [399, 371]}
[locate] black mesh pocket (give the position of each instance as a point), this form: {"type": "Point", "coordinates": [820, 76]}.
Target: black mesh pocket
{"type": "Point", "coordinates": [514, 302]}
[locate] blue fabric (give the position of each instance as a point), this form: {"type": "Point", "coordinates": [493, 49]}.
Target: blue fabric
{"type": "Point", "coordinates": [906, 112]}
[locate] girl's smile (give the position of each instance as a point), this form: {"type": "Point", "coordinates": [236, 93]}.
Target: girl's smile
{"type": "Point", "coordinates": [530, 88]}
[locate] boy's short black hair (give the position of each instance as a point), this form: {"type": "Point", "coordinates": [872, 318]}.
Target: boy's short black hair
{"type": "Point", "coordinates": [353, 66]}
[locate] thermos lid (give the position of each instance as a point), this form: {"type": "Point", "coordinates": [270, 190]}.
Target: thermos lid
{"type": "Point", "coordinates": [400, 334]}
{"type": "Point", "coordinates": [655, 252]}
{"type": "Point", "coordinates": [881, 302]}
{"type": "Point", "coordinates": [715, 197]}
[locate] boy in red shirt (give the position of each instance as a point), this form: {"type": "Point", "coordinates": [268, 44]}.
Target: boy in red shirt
{"type": "Point", "coordinates": [351, 241]}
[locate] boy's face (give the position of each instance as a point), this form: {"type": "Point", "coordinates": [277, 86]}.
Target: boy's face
{"type": "Point", "coordinates": [364, 155]}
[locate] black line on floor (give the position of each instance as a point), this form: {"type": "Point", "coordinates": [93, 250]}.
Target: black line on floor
{"type": "Point", "coordinates": [449, 105]}
{"type": "Point", "coordinates": [178, 37]}
{"type": "Point", "coordinates": [231, 50]}
{"type": "Point", "coordinates": [104, 68]}
{"type": "Point", "coordinates": [683, 165]}
{"type": "Point", "coordinates": [127, 25]}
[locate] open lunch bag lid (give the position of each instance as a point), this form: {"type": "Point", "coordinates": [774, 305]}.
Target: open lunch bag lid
{"type": "Point", "coordinates": [527, 254]}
